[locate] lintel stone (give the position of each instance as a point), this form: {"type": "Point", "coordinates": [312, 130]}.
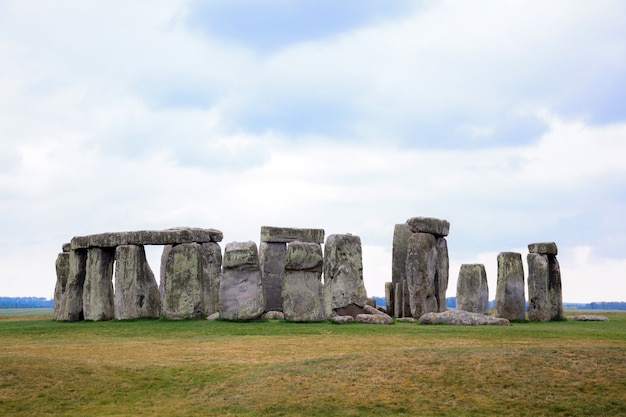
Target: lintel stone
{"type": "Point", "coordinates": [430, 225]}
{"type": "Point", "coordinates": [543, 248]}
{"type": "Point", "coordinates": [272, 234]}
{"type": "Point", "coordinates": [172, 236]}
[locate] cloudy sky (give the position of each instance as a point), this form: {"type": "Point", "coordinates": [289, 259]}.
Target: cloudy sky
{"type": "Point", "coordinates": [507, 118]}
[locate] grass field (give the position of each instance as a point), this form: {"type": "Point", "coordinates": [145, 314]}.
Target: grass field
{"type": "Point", "coordinates": [274, 368]}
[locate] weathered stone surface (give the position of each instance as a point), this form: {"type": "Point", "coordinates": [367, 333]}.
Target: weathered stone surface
{"type": "Point", "coordinates": [406, 319]}
{"type": "Point", "coordinates": [136, 290]}
{"type": "Point", "coordinates": [66, 247]}
{"type": "Point", "coordinates": [172, 236]}
{"type": "Point", "coordinates": [273, 315]}
{"type": "Point", "coordinates": [429, 225]}
{"type": "Point", "coordinates": [370, 301]}
{"type": "Point", "coordinates": [543, 248]}
{"type": "Point", "coordinates": [290, 234]}
{"type": "Point", "coordinates": [368, 309]}
{"type": "Point", "coordinates": [421, 274]}
{"type": "Point", "coordinates": [539, 308]}
{"type": "Point", "coordinates": [73, 300]}
{"type": "Point", "coordinates": [241, 292]}
{"type": "Point", "coordinates": [399, 300]}
{"type": "Point", "coordinates": [472, 289]}
{"type": "Point", "coordinates": [182, 284]}
{"type": "Point", "coordinates": [554, 288]}
{"type": "Point", "coordinates": [390, 298]}
{"type": "Point", "coordinates": [211, 275]}
{"type": "Point", "coordinates": [461, 317]}
{"type": "Point", "coordinates": [510, 301]}
{"type": "Point", "coordinates": [588, 317]}
{"type": "Point", "coordinates": [374, 319]}
{"type": "Point", "coordinates": [302, 286]}
{"type": "Point", "coordinates": [272, 262]}
{"type": "Point", "coordinates": [343, 273]}
{"type": "Point", "coordinates": [401, 235]}
{"type": "Point", "coordinates": [443, 269]}
{"type": "Point", "coordinates": [62, 267]}
{"type": "Point", "coordinates": [341, 319]}
{"type": "Point", "coordinates": [98, 302]}
{"type": "Point", "coordinates": [213, 316]}
{"type": "Point", "coordinates": [349, 310]}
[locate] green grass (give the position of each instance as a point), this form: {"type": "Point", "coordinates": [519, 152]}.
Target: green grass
{"type": "Point", "coordinates": [274, 368]}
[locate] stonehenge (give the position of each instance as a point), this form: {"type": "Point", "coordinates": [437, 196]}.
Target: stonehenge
{"type": "Point", "coordinates": [294, 275]}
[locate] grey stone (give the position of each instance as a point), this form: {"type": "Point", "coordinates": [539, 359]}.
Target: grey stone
{"type": "Point", "coordinates": [73, 299]}
{"type": "Point", "coordinates": [66, 247]}
{"type": "Point", "coordinates": [401, 235]}
{"type": "Point", "coordinates": [472, 289]}
{"type": "Point", "coordinates": [368, 309]}
{"type": "Point", "coordinates": [289, 234]}
{"type": "Point", "coordinates": [213, 316]}
{"type": "Point", "coordinates": [373, 319]}
{"type": "Point", "coordinates": [302, 286]}
{"type": "Point", "coordinates": [136, 290]}
{"type": "Point", "coordinates": [443, 269]}
{"type": "Point", "coordinates": [390, 298]}
{"type": "Point", "coordinates": [98, 300]}
{"type": "Point", "coordinates": [510, 301]}
{"type": "Point", "coordinates": [341, 319]}
{"type": "Point", "coordinates": [554, 288]}
{"type": "Point", "coordinates": [461, 317]}
{"type": "Point", "coordinates": [62, 267]}
{"type": "Point", "coordinates": [429, 225]}
{"type": "Point", "coordinates": [182, 284]}
{"type": "Point", "coordinates": [349, 310]}
{"type": "Point", "coordinates": [406, 319]}
{"type": "Point", "coordinates": [172, 236]}
{"type": "Point", "coordinates": [421, 274]}
{"type": "Point", "coordinates": [273, 315]}
{"type": "Point", "coordinates": [588, 317]}
{"type": "Point", "coordinates": [543, 248]}
{"type": "Point", "coordinates": [272, 263]}
{"type": "Point", "coordinates": [211, 275]}
{"type": "Point", "coordinates": [343, 273]}
{"type": "Point", "coordinates": [398, 300]}
{"type": "Point", "coordinates": [241, 291]}
{"type": "Point", "coordinates": [370, 301]}
{"type": "Point", "coordinates": [539, 308]}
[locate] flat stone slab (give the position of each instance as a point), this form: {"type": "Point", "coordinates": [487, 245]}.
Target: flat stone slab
{"type": "Point", "coordinates": [543, 248]}
{"type": "Point", "coordinates": [342, 319]}
{"type": "Point", "coordinates": [373, 319]}
{"type": "Point", "coordinates": [588, 317]}
{"type": "Point", "coordinates": [463, 318]}
{"type": "Point", "coordinates": [172, 236]}
{"type": "Point", "coordinates": [430, 225]}
{"type": "Point", "coordinates": [288, 234]}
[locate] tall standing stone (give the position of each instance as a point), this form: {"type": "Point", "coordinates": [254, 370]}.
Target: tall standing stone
{"type": "Point", "coordinates": [272, 261]}
{"type": "Point", "coordinates": [136, 290]}
{"type": "Point", "coordinates": [73, 305]}
{"type": "Point", "coordinates": [398, 310]}
{"type": "Point", "coordinates": [552, 291]}
{"type": "Point", "coordinates": [302, 287]}
{"type": "Point", "coordinates": [98, 299]}
{"type": "Point", "coordinates": [510, 301]}
{"type": "Point", "coordinates": [390, 298]}
{"type": "Point", "coordinates": [443, 268]}
{"type": "Point", "coordinates": [343, 274]}
{"type": "Point", "coordinates": [472, 289]}
{"type": "Point", "coordinates": [211, 276]}
{"type": "Point", "coordinates": [554, 287]}
{"type": "Point", "coordinates": [421, 274]}
{"type": "Point", "coordinates": [183, 290]}
{"type": "Point", "coordinates": [538, 292]}
{"type": "Point", "coordinates": [62, 267]}
{"type": "Point", "coordinates": [241, 291]}
{"type": "Point", "coordinates": [401, 234]}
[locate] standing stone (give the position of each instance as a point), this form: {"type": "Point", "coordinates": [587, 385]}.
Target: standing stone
{"type": "Point", "coordinates": [430, 225]}
{"type": "Point", "coordinates": [472, 289]}
{"type": "Point", "coordinates": [343, 274]}
{"type": "Point", "coordinates": [401, 234]}
{"type": "Point", "coordinates": [302, 287]}
{"type": "Point", "coordinates": [241, 291]}
{"type": "Point", "coordinates": [510, 302]}
{"type": "Point", "coordinates": [443, 268]}
{"type": "Point", "coordinates": [398, 310]}
{"type": "Point", "coordinates": [98, 299]}
{"type": "Point", "coordinates": [554, 288]}
{"type": "Point", "coordinates": [421, 274]}
{"type": "Point", "coordinates": [211, 276]}
{"type": "Point", "coordinates": [73, 305]}
{"type": "Point", "coordinates": [538, 292]}
{"type": "Point", "coordinates": [272, 261]}
{"type": "Point", "coordinates": [182, 286]}
{"type": "Point", "coordinates": [62, 267]}
{"type": "Point", "coordinates": [390, 299]}
{"type": "Point", "coordinates": [136, 290]}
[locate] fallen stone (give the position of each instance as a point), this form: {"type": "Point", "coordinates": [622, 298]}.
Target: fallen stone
{"type": "Point", "coordinates": [373, 319]}
{"type": "Point", "coordinates": [213, 316]}
{"type": "Point", "coordinates": [341, 319]}
{"type": "Point", "coordinates": [460, 317]}
{"type": "Point", "coordinates": [273, 315]}
{"type": "Point", "coordinates": [539, 308]}
{"type": "Point", "coordinates": [241, 291]}
{"type": "Point", "coordinates": [472, 289]}
{"type": "Point", "coordinates": [406, 319]}
{"type": "Point", "coordinates": [429, 225]}
{"type": "Point", "coordinates": [136, 291]}
{"type": "Point", "coordinates": [288, 234]}
{"type": "Point", "coordinates": [543, 248]}
{"type": "Point", "coordinates": [343, 273]}
{"type": "Point", "coordinates": [367, 309]}
{"type": "Point", "coordinates": [62, 266]}
{"type": "Point", "coordinates": [350, 310]}
{"type": "Point", "coordinates": [370, 302]}
{"type": "Point", "coordinates": [302, 286]}
{"type": "Point", "coordinates": [510, 302]}
{"type": "Point", "coordinates": [98, 294]}
{"type": "Point", "coordinates": [182, 285]}
{"type": "Point", "coordinates": [172, 236]}
{"type": "Point", "coordinates": [588, 317]}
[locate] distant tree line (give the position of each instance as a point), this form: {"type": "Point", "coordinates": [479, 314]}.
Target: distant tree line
{"type": "Point", "coordinates": [25, 302]}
